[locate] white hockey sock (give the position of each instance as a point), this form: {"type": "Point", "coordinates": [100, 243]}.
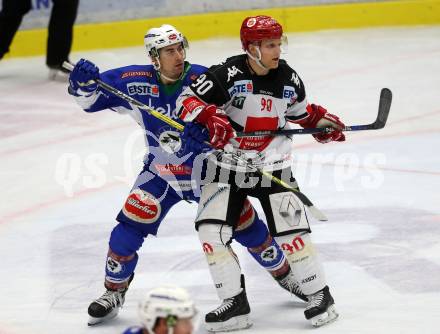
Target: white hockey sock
{"type": "Point", "coordinates": [304, 261]}
{"type": "Point", "coordinates": [223, 263]}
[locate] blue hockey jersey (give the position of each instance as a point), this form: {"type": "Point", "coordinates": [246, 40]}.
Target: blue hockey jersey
{"type": "Point", "coordinates": [166, 156]}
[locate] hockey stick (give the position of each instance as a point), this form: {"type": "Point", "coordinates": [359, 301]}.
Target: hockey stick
{"type": "Point", "coordinates": [303, 198]}
{"type": "Point", "coordinates": [68, 66]}
{"type": "Point", "coordinates": [384, 108]}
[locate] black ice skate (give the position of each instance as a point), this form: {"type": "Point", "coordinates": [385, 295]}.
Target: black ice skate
{"type": "Point", "coordinates": [289, 283]}
{"type": "Point", "coordinates": [320, 308]}
{"type": "Point", "coordinates": [232, 314]}
{"type": "Point", "coordinates": [107, 306]}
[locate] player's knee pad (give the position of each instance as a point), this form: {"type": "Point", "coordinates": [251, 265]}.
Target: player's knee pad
{"type": "Point", "coordinates": [119, 269]}
{"type": "Point", "coordinates": [223, 263]}
{"type": "Point", "coordinates": [253, 234]}
{"type": "Point", "coordinates": [126, 239]}
{"type": "Point", "coordinates": [304, 261]}
{"type": "Point", "coordinates": [144, 210]}
{"type": "Point", "coordinates": [212, 204]}
{"type": "Point", "coordinates": [216, 236]}
{"type": "Point", "coordinates": [270, 256]}
{"type": "Point", "coordinates": [289, 215]}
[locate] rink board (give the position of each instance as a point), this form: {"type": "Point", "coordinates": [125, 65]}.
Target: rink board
{"type": "Point", "coordinates": [227, 24]}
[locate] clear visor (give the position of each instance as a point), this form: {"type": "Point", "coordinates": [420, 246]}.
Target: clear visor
{"type": "Point", "coordinates": [154, 53]}
{"type": "Point", "coordinates": [284, 44]}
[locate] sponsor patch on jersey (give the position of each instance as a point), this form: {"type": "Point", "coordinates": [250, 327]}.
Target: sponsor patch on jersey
{"type": "Point", "coordinates": [169, 169]}
{"type": "Point", "coordinates": [241, 86]}
{"type": "Point", "coordinates": [183, 185]}
{"type": "Point", "coordinates": [143, 88]}
{"type": "Point", "coordinates": [238, 101]}
{"type": "Point", "coordinates": [170, 141]}
{"type": "Point", "coordinates": [290, 94]}
{"type": "Point", "coordinates": [142, 207]}
{"type": "Point", "coordinates": [131, 74]}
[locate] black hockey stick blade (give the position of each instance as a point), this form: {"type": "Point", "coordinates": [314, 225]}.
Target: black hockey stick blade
{"type": "Point", "coordinates": [384, 108]}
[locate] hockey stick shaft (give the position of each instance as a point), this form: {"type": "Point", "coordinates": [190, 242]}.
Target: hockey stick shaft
{"type": "Point", "coordinates": [379, 123]}
{"type": "Point", "coordinates": [303, 198]}
{"type": "Point", "coordinates": [118, 93]}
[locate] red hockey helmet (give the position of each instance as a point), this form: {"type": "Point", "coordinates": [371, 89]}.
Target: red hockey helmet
{"type": "Point", "coordinates": [257, 28]}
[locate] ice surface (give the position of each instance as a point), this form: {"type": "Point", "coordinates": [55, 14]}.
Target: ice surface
{"type": "Point", "coordinates": [380, 248]}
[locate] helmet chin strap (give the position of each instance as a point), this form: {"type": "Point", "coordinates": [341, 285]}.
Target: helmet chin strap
{"type": "Point", "coordinates": [257, 59]}
{"type": "Point", "coordinates": [167, 78]}
{"type": "Point", "coordinates": [156, 65]}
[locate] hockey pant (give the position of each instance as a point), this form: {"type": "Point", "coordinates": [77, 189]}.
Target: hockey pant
{"type": "Point", "coordinates": [220, 206]}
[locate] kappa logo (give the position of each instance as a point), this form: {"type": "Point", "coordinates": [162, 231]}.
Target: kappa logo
{"type": "Point", "coordinates": [143, 88]}
{"type": "Point", "coordinates": [232, 72]}
{"type": "Point", "coordinates": [241, 86]}
{"type": "Point", "coordinates": [295, 79]}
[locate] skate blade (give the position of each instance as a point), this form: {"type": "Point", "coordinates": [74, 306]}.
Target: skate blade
{"type": "Point", "coordinates": [233, 324]}
{"type": "Point", "coordinates": [325, 318]}
{"type": "Point", "coordinates": [94, 321]}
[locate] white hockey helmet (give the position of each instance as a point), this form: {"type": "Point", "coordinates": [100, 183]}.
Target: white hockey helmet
{"type": "Point", "coordinates": [157, 38]}
{"type": "Point", "coordinates": [167, 302]}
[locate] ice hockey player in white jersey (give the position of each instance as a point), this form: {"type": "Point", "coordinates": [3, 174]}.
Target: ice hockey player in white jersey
{"type": "Point", "coordinates": [250, 92]}
{"type": "Point", "coordinates": [165, 310]}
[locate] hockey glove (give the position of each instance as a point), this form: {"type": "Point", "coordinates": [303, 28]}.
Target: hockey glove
{"type": "Point", "coordinates": [320, 118]}
{"type": "Point", "coordinates": [83, 78]}
{"type": "Point", "coordinates": [195, 137]}
{"type": "Point", "coordinates": [220, 130]}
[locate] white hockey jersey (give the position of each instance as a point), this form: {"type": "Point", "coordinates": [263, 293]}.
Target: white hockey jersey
{"type": "Point", "coordinates": [253, 103]}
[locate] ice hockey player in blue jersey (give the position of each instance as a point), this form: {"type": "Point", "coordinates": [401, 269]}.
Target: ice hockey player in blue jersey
{"type": "Point", "coordinates": [165, 310]}
{"type": "Point", "coordinates": [168, 176]}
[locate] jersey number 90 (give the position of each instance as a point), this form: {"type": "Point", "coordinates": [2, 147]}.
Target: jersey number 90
{"type": "Point", "coordinates": [202, 85]}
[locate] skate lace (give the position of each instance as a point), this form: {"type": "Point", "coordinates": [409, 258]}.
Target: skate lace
{"type": "Point", "coordinates": [110, 299]}
{"type": "Point", "coordinates": [315, 300]}
{"type": "Point", "coordinates": [291, 285]}
{"type": "Point", "coordinates": [227, 304]}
